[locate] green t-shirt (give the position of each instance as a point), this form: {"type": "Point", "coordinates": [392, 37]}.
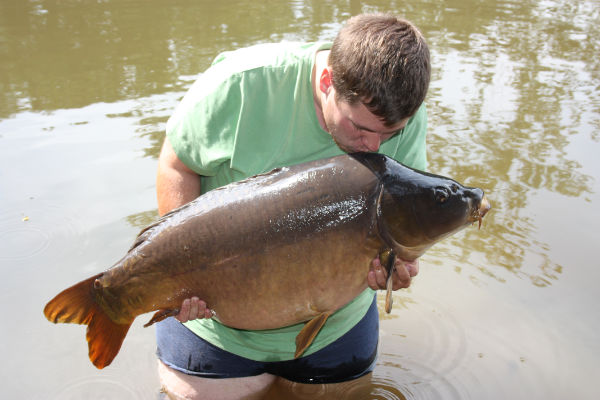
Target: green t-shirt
{"type": "Point", "coordinates": [250, 112]}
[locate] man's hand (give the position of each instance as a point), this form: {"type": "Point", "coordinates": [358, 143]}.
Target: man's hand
{"type": "Point", "coordinates": [193, 308]}
{"type": "Point", "coordinates": [404, 272]}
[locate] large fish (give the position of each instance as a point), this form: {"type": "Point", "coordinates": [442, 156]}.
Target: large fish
{"type": "Point", "coordinates": [276, 249]}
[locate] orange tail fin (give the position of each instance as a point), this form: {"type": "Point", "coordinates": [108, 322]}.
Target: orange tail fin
{"type": "Point", "coordinates": [77, 305]}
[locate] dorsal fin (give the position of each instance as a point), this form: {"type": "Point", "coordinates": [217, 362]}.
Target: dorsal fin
{"type": "Point", "coordinates": [147, 231]}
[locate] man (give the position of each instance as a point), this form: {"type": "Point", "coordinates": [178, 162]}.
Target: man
{"type": "Point", "coordinates": [273, 105]}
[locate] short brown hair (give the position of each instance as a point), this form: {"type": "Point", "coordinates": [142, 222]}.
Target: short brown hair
{"type": "Point", "coordinates": [382, 61]}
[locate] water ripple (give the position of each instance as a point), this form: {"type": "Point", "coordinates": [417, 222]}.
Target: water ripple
{"type": "Point", "coordinates": [420, 353]}
{"type": "Point", "coordinates": [98, 388]}
{"type": "Point", "coordinates": [31, 231]}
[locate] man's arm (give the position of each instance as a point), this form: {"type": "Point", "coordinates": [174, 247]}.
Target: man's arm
{"type": "Point", "coordinates": [177, 185]}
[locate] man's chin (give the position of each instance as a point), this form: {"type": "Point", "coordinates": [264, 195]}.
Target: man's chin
{"type": "Point", "coordinates": [351, 150]}
{"type": "Point", "coordinates": [346, 149]}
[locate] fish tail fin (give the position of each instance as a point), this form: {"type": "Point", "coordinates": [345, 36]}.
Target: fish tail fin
{"type": "Point", "coordinates": [77, 305]}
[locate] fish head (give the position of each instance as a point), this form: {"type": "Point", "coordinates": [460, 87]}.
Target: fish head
{"type": "Point", "coordinates": [420, 209]}
{"type": "Point", "coordinates": [445, 206]}
{"type": "Point", "coordinates": [417, 209]}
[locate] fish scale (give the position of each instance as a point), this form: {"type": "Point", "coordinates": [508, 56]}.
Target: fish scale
{"type": "Point", "coordinates": [304, 234]}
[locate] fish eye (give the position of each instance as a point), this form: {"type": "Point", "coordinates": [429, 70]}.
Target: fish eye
{"type": "Point", "coordinates": [441, 194]}
{"type": "Point", "coordinates": [454, 188]}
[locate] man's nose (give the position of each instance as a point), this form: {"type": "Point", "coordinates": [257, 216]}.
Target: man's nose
{"type": "Point", "coordinates": [371, 141]}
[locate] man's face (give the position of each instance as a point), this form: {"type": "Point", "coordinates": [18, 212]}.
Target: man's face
{"type": "Point", "coordinates": [354, 128]}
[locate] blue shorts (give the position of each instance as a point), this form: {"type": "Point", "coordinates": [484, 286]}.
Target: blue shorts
{"type": "Point", "coordinates": [349, 357]}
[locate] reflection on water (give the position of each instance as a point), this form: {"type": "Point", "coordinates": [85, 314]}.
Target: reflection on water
{"type": "Point", "coordinates": [509, 87]}
{"type": "Point", "coordinates": [142, 219]}
{"type": "Point", "coordinates": [110, 50]}
{"type": "Point", "coordinates": [86, 89]}
{"type": "Point", "coordinates": [374, 386]}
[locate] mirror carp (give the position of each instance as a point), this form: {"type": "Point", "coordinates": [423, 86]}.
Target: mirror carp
{"type": "Point", "coordinates": [273, 250]}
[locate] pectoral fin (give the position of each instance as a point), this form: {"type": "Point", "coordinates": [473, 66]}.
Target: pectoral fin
{"type": "Point", "coordinates": [389, 299]}
{"type": "Point", "coordinates": [309, 332]}
{"type": "Point", "coordinates": [160, 315]}
{"type": "Point", "coordinates": [388, 260]}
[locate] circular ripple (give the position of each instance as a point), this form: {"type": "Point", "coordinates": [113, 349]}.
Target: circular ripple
{"type": "Point", "coordinates": [396, 378]}
{"type": "Point", "coordinates": [29, 229]}
{"type": "Point", "coordinates": [386, 389]}
{"type": "Point", "coordinates": [428, 331]}
{"type": "Point", "coordinates": [97, 388]}
{"type": "Point", "coordinates": [420, 349]}
{"type": "Point", "coordinates": [19, 242]}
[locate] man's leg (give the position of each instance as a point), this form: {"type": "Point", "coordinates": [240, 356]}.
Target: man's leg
{"type": "Point", "coordinates": [180, 386]}
{"type": "Point", "coordinates": [191, 368]}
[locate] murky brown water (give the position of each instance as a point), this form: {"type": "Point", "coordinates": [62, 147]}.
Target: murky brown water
{"type": "Point", "coordinates": [510, 311]}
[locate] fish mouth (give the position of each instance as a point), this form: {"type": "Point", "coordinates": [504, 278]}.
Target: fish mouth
{"type": "Point", "coordinates": [479, 213]}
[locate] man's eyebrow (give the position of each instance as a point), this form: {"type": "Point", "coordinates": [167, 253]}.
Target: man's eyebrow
{"type": "Point", "coordinates": [364, 128]}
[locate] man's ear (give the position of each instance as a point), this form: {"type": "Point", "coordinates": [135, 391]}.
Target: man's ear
{"type": "Point", "coordinates": [325, 80]}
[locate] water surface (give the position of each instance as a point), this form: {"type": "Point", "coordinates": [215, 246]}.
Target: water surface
{"type": "Point", "coordinates": [508, 311]}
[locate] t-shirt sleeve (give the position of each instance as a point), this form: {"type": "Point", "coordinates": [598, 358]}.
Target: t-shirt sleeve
{"type": "Point", "coordinates": [200, 129]}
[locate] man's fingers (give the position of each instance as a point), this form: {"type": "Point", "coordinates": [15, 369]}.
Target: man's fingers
{"type": "Point", "coordinates": [184, 313]}
{"type": "Point", "coordinates": [203, 311]}
{"type": "Point", "coordinates": [401, 276]}
{"type": "Point", "coordinates": [372, 280]}
{"type": "Point", "coordinates": [380, 276]}
{"type": "Point", "coordinates": [377, 276]}
{"type": "Point", "coordinates": [403, 273]}
{"type": "Point", "coordinates": [194, 308]}
{"type": "Point", "coordinates": [413, 267]}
